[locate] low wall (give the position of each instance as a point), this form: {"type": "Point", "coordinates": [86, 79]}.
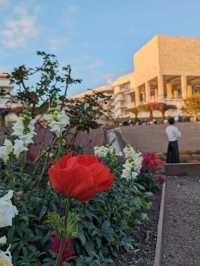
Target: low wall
{"type": "Point", "coordinates": [87, 141]}
{"type": "Point", "coordinates": [152, 138]}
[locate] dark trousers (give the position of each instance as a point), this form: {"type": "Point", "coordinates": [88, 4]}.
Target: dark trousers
{"type": "Point", "coordinates": [173, 152]}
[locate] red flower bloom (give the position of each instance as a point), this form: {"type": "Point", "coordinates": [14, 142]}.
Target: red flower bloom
{"type": "Point", "coordinates": [161, 178]}
{"type": "Point", "coordinates": [68, 246]}
{"type": "Point", "coordinates": [195, 161]}
{"type": "Point", "coordinates": [151, 161]}
{"type": "Point", "coordinates": [80, 177]}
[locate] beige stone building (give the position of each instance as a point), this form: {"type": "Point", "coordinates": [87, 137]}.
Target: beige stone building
{"type": "Point", "coordinates": [166, 69]}
{"type": "Point", "coordinates": [8, 107]}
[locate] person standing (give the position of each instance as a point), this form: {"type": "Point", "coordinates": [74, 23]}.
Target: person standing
{"type": "Point", "coordinates": [173, 134]}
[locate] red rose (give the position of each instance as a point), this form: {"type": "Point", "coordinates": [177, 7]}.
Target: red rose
{"type": "Point", "coordinates": [80, 177]}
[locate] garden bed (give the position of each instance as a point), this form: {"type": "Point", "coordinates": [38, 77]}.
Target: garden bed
{"type": "Point", "coordinates": [181, 241]}
{"type": "Point", "coordinates": [145, 236]}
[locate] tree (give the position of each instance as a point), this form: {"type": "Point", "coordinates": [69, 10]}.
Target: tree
{"type": "Point", "coordinates": [192, 105]}
{"type": "Point", "coordinates": [39, 88]}
{"type": "Point", "coordinates": [155, 106]}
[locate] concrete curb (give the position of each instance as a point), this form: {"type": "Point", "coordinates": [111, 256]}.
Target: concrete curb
{"type": "Point", "coordinates": [182, 169]}
{"type": "Point", "coordinates": [158, 251]}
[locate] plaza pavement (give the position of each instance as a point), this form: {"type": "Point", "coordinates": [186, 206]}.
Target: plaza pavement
{"type": "Point", "coordinates": [152, 138]}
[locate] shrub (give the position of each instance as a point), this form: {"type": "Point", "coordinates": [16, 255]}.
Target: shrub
{"type": "Point", "coordinates": [99, 229]}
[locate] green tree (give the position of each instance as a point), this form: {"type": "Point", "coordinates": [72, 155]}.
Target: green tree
{"type": "Point", "coordinates": [192, 105]}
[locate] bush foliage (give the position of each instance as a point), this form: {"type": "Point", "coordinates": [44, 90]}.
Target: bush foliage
{"type": "Point", "coordinates": [104, 222]}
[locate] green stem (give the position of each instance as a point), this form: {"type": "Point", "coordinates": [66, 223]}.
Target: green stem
{"type": "Point", "coordinates": [62, 240]}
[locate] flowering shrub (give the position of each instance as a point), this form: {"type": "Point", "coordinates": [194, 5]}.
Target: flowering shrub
{"type": "Point", "coordinates": [133, 163]}
{"type": "Point", "coordinates": [7, 213]}
{"type": "Point", "coordinates": [151, 162]}
{"type": "Point", "coordinates": [161, 178]}
{"type": "Point", "coordinates": [150, 166]}
{"type": "Point", "coordinates": [79, 221]}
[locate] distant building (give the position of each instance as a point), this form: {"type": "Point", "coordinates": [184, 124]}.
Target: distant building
{"type": "Point", "coordinates": [166, 69]}
{"type": "Point", "coordinates": [9, 108]}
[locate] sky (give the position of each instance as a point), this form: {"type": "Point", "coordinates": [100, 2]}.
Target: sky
{"type": "Point", "coordinates": [96, 37]}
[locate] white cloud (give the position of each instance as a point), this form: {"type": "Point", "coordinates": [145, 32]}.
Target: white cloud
{"type": "Point", "coordinates": [3, 3]}
{"type": "Point", "coordinates": [57, 42]}
{"type": "Point", "coordinates": [18, 31]}
{"type": "Point", "coordinates": [108, 78]}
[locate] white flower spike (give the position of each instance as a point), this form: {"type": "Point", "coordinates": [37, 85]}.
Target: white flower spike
{"type": "Point", "coordinates": [5, 258]}
{"type": "Point", "coordinates": [7, 210]}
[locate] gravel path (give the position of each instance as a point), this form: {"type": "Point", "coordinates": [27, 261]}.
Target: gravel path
{"type": "Point", "coordinates": [181, 236]}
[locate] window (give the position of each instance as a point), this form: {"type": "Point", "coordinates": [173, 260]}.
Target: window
{"type": "Point", "coordinates": [132, 97]}
{"type": "Point", "coordinates": [4, 91]}
{"type": "Point", "coordinates": [142, 98]}
{"type": "Point", "coordinates": [152, 92]}
{"type": "Point", "coordinates": [196, 89]}
{"type": "Point", "coordinates": [125, 86]}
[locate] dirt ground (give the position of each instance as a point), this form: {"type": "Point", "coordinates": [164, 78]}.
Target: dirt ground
{"type": "Point", "coordinates": [145, 237]}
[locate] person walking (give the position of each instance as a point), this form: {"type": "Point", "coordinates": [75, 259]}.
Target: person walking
{"type": "Point", "coordinates": [173, 135]}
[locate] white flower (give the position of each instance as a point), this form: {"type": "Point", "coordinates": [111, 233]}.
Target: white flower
{"type": "Point", "coordinates": [19, 147]}
{"type": "Point", "coordinates": [18, 127]}
{"type": "Point", "coordinates": [129, 152]}
{"type": "Point", "coordinates": [103, 151]}
{"type": "Point", "coordinates": [8, 146]}
{"type": "Point", "coordinates": [19, 130]}
{"type": "Point", "coordinates": [58, 122]}
{"type": "Point", "coordinates": [5, 258]}
{"type": "Point", "coordinates": [86, 105]}
{"type": "Point", "coordinates": [3, 240]}
{"type": "Point", "coordinates": [127, 170]}
{"type": "Point", "coordinates": [63, 118]}
{"type": "Point", "coordinates": [134, 175]}
{"type": "Point", "coordinates": [6, 150]}
{"type": "Point", "coordinates": [27, 138]}
{"type": "Point", "coordinates": [135, 157]}
{"type": "Point", "coordinates": [7, 210]}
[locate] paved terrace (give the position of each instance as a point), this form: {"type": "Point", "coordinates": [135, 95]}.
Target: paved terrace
{"type": "Point", "coordinates": [152, 138]}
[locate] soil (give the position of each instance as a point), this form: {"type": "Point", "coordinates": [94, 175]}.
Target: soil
{"type": "Point", "coordinates": [181, 235]}
{"type": "Point", "coordinates": [145, 236]}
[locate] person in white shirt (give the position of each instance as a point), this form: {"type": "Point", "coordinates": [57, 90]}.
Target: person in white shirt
{"type": "Point", "coordinates": [173, 134]}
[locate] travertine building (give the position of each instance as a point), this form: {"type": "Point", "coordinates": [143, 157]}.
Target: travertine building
{"type": "Point", "coordinates": [8, 107]}
{"type": "Point", "coordinates": [166, 69]}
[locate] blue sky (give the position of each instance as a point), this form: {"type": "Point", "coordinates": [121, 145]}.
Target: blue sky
{"type": "Point", "coordinates": [97, 37]}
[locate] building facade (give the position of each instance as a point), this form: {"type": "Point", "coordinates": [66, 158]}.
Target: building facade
{"type": "Point", "coordinates": [8, 107]}
{"type": "Point", "coordinates": [165, 70]}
